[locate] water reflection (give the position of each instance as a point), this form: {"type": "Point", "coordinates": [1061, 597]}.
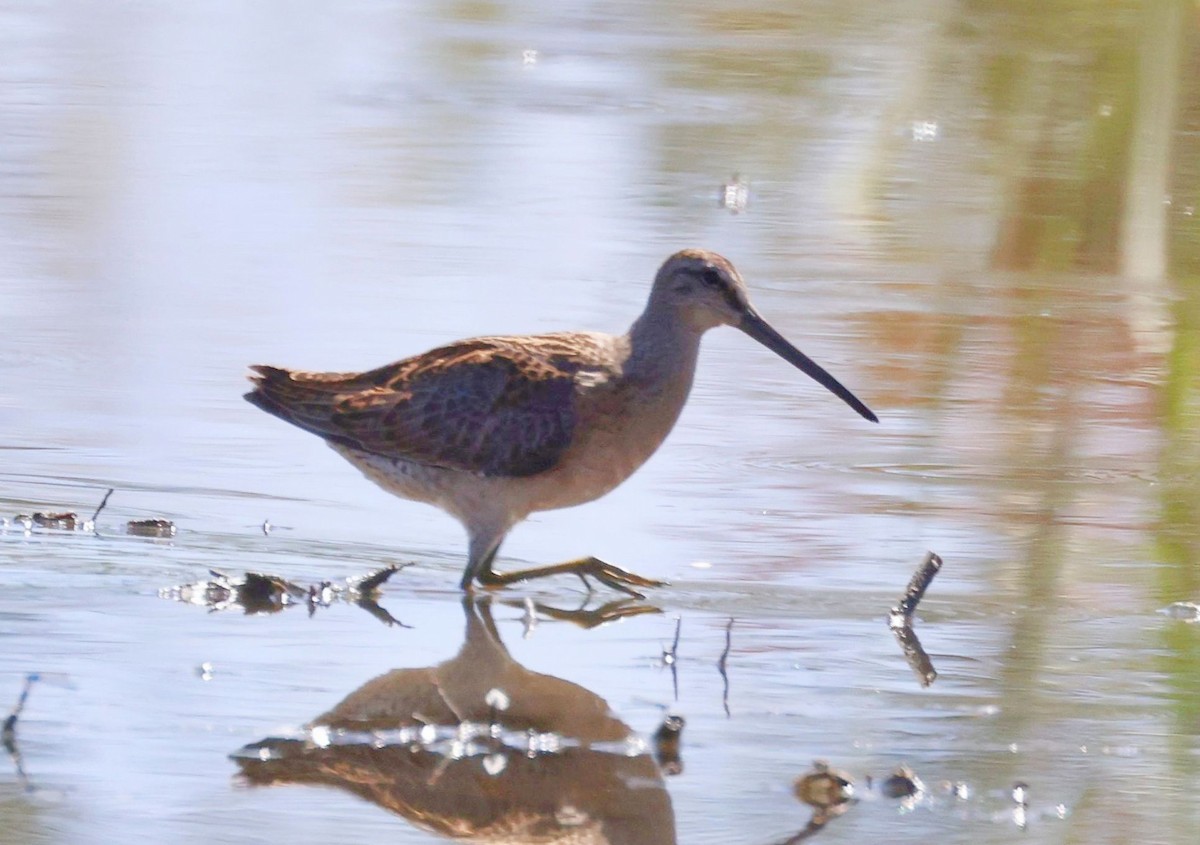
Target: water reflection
{"type": "Point", "coordinates": [480, 748]}
{"type": "Point", "coordinates": [8, 734]}
{"type": "Point", "coordinates": [257, 592]}
{"type": "Point", "coordinates": [992, 202]}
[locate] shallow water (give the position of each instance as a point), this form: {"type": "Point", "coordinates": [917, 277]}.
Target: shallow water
{"type": "Point", "coordinates": [979, 216]}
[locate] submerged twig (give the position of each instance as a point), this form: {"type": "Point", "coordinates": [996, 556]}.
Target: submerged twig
{"type": "Point", "coordinates": [379, 612]}
{"type": "Point", "coordinates": [8, 734]}
{"type": "Point", "coordinates": [260, 593]}
{"type": "Point", "coordinates": [901, 618]}
{"type": "Point", "coordinates": [721, 665]}
{"type": "Point", "coordinates": [103, 502]}
{"type": "Point", "coordinates": [364, 592]}
{"type": "Point", "coordinates": [914, 653]}
{"type": "Point", "coordinates": [815, 825]}
{"type": "Point", "coordinates": [670, 657]}
{"type": "Point", "coordinates": [918, 584]}
{"type": "Point", "coordinates": [371, 582]}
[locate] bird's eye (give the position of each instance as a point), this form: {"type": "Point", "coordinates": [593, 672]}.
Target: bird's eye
{"type": "Point", "coordinates": [712, 277]}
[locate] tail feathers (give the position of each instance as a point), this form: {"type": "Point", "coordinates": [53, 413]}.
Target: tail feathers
{"type": "Point", "coordinates": [306, 400]}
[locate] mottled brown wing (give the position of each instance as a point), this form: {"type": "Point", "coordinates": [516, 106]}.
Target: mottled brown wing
{"type": "Point", "coordinates": [493, 406]}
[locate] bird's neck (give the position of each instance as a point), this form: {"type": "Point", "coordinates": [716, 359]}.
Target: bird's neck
{"type": "Point", "coordinates": [662, 348]}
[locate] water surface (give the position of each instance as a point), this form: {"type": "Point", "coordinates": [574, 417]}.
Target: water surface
{"type": "Point", "coordinates": [979, 216]}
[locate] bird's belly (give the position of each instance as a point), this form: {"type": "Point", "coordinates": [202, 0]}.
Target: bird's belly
{"type": "Point", "coordinates": [469, 497]}
{"type": "Point", "coordinates": [406, 479]}
{"type": "Point", "coordinates": [609, 452]}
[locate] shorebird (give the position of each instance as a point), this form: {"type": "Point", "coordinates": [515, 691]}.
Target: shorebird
{"type": "Point", "coordinates": [493, 429]}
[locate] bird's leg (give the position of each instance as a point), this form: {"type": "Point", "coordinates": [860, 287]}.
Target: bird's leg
{"type": "Point", "coordinates": [483, 547]}
{"type": "Point", "coordinates": [602, 571]}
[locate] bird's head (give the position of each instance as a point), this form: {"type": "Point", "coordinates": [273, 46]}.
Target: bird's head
{"type": "Point", "coordinates": [704, 290]}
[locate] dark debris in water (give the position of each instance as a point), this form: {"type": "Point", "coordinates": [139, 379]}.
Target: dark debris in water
{"type": "Point", "coordinates": [831, 792]}
{"type": "Point", "coordinates": [723, 666]}
{"type": "Point", "coordinates": [828, 791]}
{"type": "Point", "coordinates": [150, 528]}
{"type": "Point", "coordinates": [902, 783]}
{"type": "Point", "coordinates": [824, 787]}
{"type": "Point", "coordinates": [667, 740]}
{"type": "Point", "coordinates": [372, 581]}
{"type": "Point", "coordinates": [64, 521]}
{"type": "Point", "coordinates": [101, 506]}
{"type": "Point", "coordinates": [900, 619]}
{"type": "Point", "coordinates": [256, 592]}
{"type": "Point", "coordinates": [52, 521]}
{"type": "Point", "coordinates": [8, 733]}
{"type": "Point", "coordinates": [917, 585]}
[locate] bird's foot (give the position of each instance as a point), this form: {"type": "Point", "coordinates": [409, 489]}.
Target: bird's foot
{"type": "Point", "coordinates": [610, 576]}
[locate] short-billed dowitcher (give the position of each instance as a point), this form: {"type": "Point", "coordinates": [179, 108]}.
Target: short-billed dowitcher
{"type": "Point", "coordinates": [496, 428]}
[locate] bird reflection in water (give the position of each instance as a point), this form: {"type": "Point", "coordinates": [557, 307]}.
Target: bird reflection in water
{"type": "Point", "coordinates": [481, 749]}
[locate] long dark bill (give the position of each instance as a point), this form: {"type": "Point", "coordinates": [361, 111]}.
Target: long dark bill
{"type": "Point", "coordinates": [761, 330]}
